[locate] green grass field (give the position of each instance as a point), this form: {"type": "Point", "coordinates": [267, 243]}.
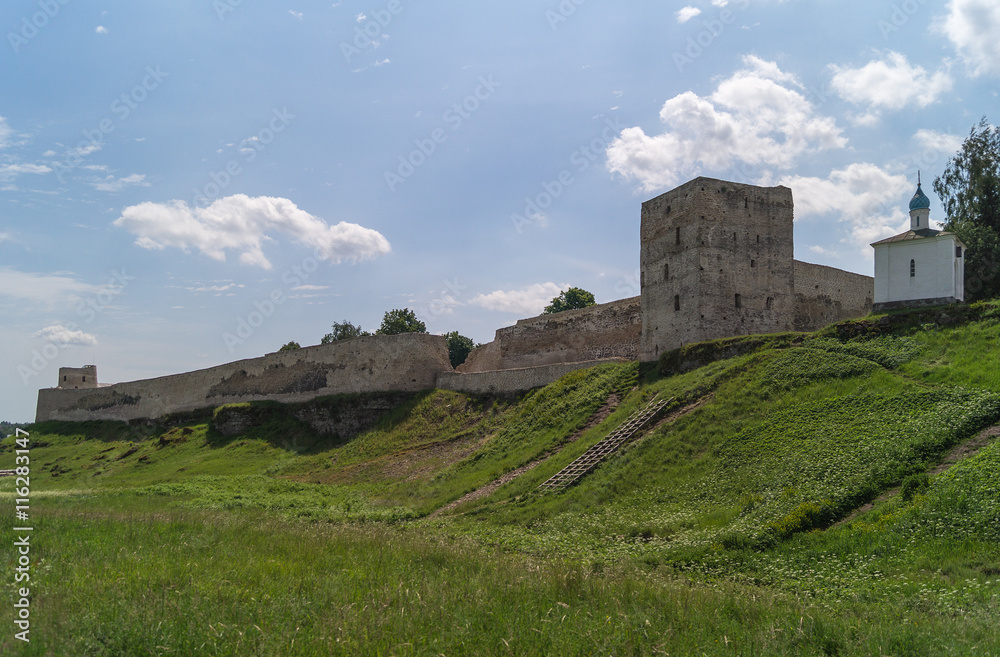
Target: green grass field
{"type": "Point", "coordinates": [800, 507]}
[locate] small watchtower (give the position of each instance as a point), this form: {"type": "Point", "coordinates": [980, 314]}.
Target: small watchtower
{"type": "Point", "coordinates": [78, 377]}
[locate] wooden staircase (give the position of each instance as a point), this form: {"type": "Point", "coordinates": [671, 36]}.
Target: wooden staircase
{"type": "Point", "coordinates": [629, 429]}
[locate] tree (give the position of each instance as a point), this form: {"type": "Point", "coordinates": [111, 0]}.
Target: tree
{"type": "Point", "coordinates": [459, 347]}
{"type": "Point", "coordinates": [969, 189]}
{"type": "Point", "coordinates": [291, 346]}
{"type": "Point", "coordinates": [399, 321]}
{"type": "Point", "coordinates": [571, 299]}
{"type": "Point", "coordinates": [343, 331]}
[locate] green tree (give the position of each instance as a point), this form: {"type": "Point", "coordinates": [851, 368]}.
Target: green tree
{"type": "Point", "coordinates": [399, 321]}
{"type": "Point", "coordinates": [343, 331]}
{"type": "Point", "coordinates": [571, 299]}
{"type": "Point", "coordinates": [969, 189]}
{"type": "Point", "coordinates": [459, 347]}
{"type": "Point", "coordinates": [291, 346]}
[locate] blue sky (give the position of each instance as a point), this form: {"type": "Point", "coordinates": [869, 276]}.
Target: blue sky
{"type": "Point", "coordinates": [185, 183]}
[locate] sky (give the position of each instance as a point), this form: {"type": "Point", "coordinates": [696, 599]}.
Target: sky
{"type": "Point", "coordinates": [188, 183]}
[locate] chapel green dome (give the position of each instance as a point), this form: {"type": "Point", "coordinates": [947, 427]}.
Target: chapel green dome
{"type": "Point", "coordinates": [919, 200]}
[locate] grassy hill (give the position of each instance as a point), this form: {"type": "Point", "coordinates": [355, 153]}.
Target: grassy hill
{"type": "Point", "coordinates": [806, 494]}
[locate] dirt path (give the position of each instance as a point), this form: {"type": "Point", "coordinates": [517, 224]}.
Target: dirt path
{"type": "Point", "coordinates": [961, 451]}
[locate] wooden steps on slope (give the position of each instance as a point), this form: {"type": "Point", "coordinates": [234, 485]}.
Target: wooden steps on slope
{"type": "Point", "coordinates": [590, 459]}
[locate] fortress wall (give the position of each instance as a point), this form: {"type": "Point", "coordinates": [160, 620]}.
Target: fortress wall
{"type": "Point", "coordinates": [608, 330]}
{"type": "Point", "coordinates": [824, 295]}
{"type": "Point", "coordinates": [482, 359]}
{"type": "Point", "coordinates": [407, 362]}
{"type": "Point", "coordinates": [511, 380]}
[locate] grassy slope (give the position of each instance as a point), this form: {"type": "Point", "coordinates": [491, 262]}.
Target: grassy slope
{"type": "Point", "coordinates": [728, 497]}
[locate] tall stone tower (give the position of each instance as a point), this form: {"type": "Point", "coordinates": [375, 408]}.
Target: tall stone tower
{"type": "Point", "coordinates": [716, 261]}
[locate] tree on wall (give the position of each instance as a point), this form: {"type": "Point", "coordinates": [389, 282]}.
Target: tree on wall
{"type": "Point", "coordinates": [399, 321]}
{"type": "Point", "coordinates": [291, 346]}
{"type": "Point", "coordinates": [969, 189]}
{"type": "Point", "coordinates": [343, 331]}
{"type": "Point", "coordinates": [459, 347]}
{"type": "Point", "coordinates": [571, 299]}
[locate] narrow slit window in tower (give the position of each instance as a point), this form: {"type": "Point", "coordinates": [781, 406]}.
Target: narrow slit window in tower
{"type": "Point", "coordinates": [677, 302]}
{"type": "Point", "coordinates": [769, 303]}
{"type": "Point", "coordinates": [913, 268]}
{"type": "Point", "coordinates": [666, 271]}
{"type": "Point", "coordinates": [739, 301]}
{"type": "Point", "coordinates": [753, 263]}
{"type": "Point", "coordinates": [677, 235]}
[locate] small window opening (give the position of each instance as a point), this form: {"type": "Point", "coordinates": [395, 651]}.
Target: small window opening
{"type": "Point", "coordinates": [913, 268]}
{"type": "Point", "coordinates": [739, 301]}
{"type": "Point", "coordinates": [666, 271]}
{"type": "Point", "coordinates": [677, 235]}
{"type": "Point", "coordinates": [677, 302]}
{"type": "Point", "coordinates": [753, 263]}
{"type": "Point", "coordinates": [758, 239]}
{"type": "Point", "coordinates": [642, 279]}
{"type": "Point", "coordinates": [65, 378]}
{"type": "Point", "coordinates": [84, 379]}
{"type": "Point", "coordinates": [668, 209]}
{"type": "Point", "coordinates": [769, 303]}
{"type": "Point", "coordinates": [958, 252]}
{"type": "Point", "coordinates": [734, 237]}
{"type": "Point", "coordinates": [746, 203]}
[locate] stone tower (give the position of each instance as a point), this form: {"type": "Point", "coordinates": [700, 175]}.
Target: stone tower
{"type": "Point", "coordinates": [78, 377]}
{"type": "Point", "coordinates": [716, 261]}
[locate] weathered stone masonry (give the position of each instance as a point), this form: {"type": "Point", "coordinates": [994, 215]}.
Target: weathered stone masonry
{"type": "Point", "coordinates": [715, 261]}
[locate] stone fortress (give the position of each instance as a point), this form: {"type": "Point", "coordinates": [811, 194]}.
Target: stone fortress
{"type": "Point", "coordinates": [715, 261]}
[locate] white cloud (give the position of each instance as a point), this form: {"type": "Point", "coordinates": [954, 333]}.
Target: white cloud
{"type": "Point", "coordinates": [973, 27]}
{"type": "Point", "coordinates": [61, 335]}
{"type": "Point", "coordinates": [360, 18]}
{"type": "Point", "coordinates": [8, 171]}
{"type": "Point", "coordinates": [528, 301]}
{"type": "Point", "coordinates": [241, 223]}
{"type": "Point", "coordinates": [111, 184]}
{"type": "Point", "coordinates": [938, 141]}
{"type": "Point", "coordinates": [296, 14]}
{"type": "Point", "coordinates": [100, 29]}
{"type": "Point", "coordinates": [891, 83]}
{"type": "Point", "coordinates": [56, 289]}
{"type": "Point", "coordinates": [758, 117]}
{"type": "Point", "coordinates": [5, 133]}
{"type": "Point", "coordinates": [868, 199]}
{"type": "Point", "coordinates": [687, 13]}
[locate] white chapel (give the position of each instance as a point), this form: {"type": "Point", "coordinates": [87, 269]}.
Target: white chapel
{"type": "Point", "coordinates": [921, 267]}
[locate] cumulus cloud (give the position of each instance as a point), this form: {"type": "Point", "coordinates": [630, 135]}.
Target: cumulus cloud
{"type": "Point", "coordinates": [759, 117]}
{"type": "Point", "coordinates": [687, 13]}
{"type": "Point", "coordinates": [868, 199]}
{"type": "Point", "coordinates": [891, 83]}
{"type": "Point", "coordinates": [111, 184]}
{"type": "Point", "coordinates": [61, 335]}
{"type": "Point", "coordinates": [973, 27]}
{"type": "Point", "coordinates": [241, 223]}
{"type": "Point", "coordinates": [939, 141]}
{"type": "Point", "coordinates": [527, 301]}
{"type": "Point", "coordinates": [100, 29]}
{"type": "Point", "coordinates": [296, 14]}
